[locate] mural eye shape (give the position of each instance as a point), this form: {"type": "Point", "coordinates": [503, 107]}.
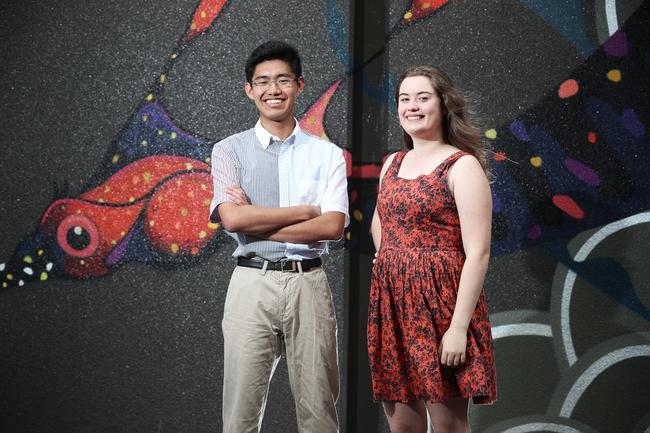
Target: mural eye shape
{"type": "Point", "coordinates": [78, 236]}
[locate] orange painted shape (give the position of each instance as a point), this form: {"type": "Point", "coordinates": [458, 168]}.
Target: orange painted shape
{"type": "Point", "coordinates": [313, 120]}
{"type": "Point", "coordinates": [568, 206]}
{"type": "Point", "coordinates": [420, 9]}
{"type": "Point", "coordinates": [103, 226]}
{"type": "Point", "coordinates": [592, 137]}
{"type": "Point", "coordinates": [204, 15]}
{"type": "Point", "coordinates": [180, 219]}
{"type": "Point", "coordinates": [140, 177]}
{"type": "Point", "coordinates": [568, 88]}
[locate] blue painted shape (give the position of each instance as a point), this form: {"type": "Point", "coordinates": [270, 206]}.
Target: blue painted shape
{"type": "Point", "coordinates": [562, 181]}
{"type": "Point", "coordinates": [604, 273]}
{"type": "Point", "coordinates": [337, 31]}
{"type": "Point", "coordinates": [565, 17]}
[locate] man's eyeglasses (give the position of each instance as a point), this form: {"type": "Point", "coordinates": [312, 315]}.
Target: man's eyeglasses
{"type": "Point", "coordinates": [265, 83]}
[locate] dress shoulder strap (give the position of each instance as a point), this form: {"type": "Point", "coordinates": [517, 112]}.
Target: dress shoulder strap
{"type": "Point", "coordinates": [444, 165]}
{"type": "Point", "coordinates": [395, 164]}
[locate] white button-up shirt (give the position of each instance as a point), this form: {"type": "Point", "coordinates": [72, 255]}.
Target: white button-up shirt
{"type": "Point", "coordinates": [311, 171]}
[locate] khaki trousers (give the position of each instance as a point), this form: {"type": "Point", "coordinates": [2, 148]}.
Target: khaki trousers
{"type": "Point", "coordinates": [268, 313]}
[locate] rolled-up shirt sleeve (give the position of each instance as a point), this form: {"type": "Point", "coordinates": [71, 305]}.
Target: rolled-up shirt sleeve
{"type": "Point", "coordinates": [225, 172]}
{"type": "Point", "coordinates": [335, 197]}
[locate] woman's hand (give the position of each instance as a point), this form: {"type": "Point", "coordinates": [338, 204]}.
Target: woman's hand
{"type": "Point", "coordinates": [237, 195]}
{"type": "Point", "coordinates": [453, 347]}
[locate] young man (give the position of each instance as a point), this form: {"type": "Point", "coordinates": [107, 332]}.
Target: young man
{"type": "Point", "coordinates": [282, 194]}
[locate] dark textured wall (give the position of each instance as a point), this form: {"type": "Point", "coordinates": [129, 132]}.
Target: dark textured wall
{"type": "Point", "coordinates": [136, 346]}
{"type": "Point", "coordinates": [88, 120]}
{"type": "Point", "coordinates": [563, 92]}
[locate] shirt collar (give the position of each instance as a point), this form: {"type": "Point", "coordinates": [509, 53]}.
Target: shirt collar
{"type": "Point", "coordinates": [265, 136]}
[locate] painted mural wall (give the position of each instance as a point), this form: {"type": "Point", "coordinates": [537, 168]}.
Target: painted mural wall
{"type": "Point", "coordinates": [563, 92]}
{"type": "Point", "coordinates": [113, 281]}
{"type": "Point", "coordinates": [112, 278]}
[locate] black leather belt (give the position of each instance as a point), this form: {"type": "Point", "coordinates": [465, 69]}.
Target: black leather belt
{"type": "Point", "coordinates": [282, 265]}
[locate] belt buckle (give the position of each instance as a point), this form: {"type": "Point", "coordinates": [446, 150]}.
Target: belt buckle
{"type": "Point", "coordinates": [283, 262]}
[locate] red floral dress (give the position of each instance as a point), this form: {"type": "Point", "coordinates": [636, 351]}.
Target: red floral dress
{"type": "Point", "coordinates": [413, 295]}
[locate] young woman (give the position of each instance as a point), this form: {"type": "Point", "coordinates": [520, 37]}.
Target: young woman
{"type": "Point", "coordinates": [429, 337]}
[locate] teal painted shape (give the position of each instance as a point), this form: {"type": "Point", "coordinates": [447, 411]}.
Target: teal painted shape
{"type": "Point", "coordinates": [566, 17]}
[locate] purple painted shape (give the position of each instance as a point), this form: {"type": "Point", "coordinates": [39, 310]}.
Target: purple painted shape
{"type": "Point", "coordinates": [616, 45]}
{"type": "Point", "coordinates": [117, 253]}
{"type": "Point", "coordinates": [497, 205]}
{"type": "Point", "coordinates": [518, 129]}
{"type": "Point", "coordinates": [582, 172]}
{"type": "Point", "coordinates": [535, 232]}
{"type": "Point", "coordinates": [631, 122]}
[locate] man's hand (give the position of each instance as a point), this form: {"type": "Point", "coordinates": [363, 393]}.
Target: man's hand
{"type": "Point", "coordinates": [237, 195]}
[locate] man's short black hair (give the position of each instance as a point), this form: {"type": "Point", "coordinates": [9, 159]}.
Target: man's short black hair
{"type": "Point", "coordinates": [273, 50]}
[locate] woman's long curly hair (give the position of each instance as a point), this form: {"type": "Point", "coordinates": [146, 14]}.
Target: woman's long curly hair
{"type": "Point", "coordinates": [458, 128]}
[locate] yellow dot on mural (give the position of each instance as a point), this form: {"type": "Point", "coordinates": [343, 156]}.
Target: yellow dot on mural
{"type": "Point", "coordinates": [147, 176]}
{"type": "Point", "coordinates": [144, 142]}
{"type": "Point", "coordinates": [204, 187]}
{"type": "Point", "coordinates": [163, 78]}
{"type": "Point", "coordinates": [408, 15]}
{"type": "Point", "coordinates": [161, 132]}
{"type": "Point", "coordinates": [79, 212]}
{"type": "Point", "coordinates": [145, 118]}
{"type": "Point", "coordinates": [82, 262]}
{"type": "Point", "coordinates": [193, 26]}
{"type": "Point", "coordinates": [311, 120]}
{"type": "Point", "coordinates": [357, 215]}
{"type": "Point", "coordinates": [183, 212]}
{"type": "Point", "coordinates": [40, 252]}
{"type": "Point", "coordinates": [179, 182]}
{"type": "Point", "coordinates": [173, 135]}
{"type": "Point", "coordinates": [207, 160]}
{"type": "Point", "coordinates": [28, 259]}
{"type": "Point", "coordinates": [177, 226]}
{"type": "Point", "coordinates": [107, 189]}
{"type": "Point", "coordinates": [150, 97]}
{"type": "Point", "coordinates": [135, 179]}
{"type": "Point", "coordinates": [43, 276]}
{"type": "Point", "coordinates": [113, 242]}
{"type": "Point", "coordinates": [203, 14]}
{"type": "Point", "coordinates": [174, 55]}
{"type": "Point", "coordinates": [536, 161]}
{"type": "Point", "coordinates": [174, 248]}
{"type": "Point", "coordinates": [213, 226]}
{"type": "Point", "coordinates": [190, 194]}
{"type": "Point", "coordinates": [348, 235]}
{"type": "Point", "coordinates": [122, 233]}
{"type": "Point", "coordinates": [202, 234]}
{"type": "Point", "coordinates": [101, 200]}
{"type": "Point", "coordinates": [10, 277]}
{"type": "Point", "coordinates": [426, 5]}
{"type": "Point", "coordinates": [116, 158]}
{"type": "Point", "coordinates": [131, 199]}
{"type": "Point", "coordinates": [614, 75]}
{"type": "Point", "coordinates": [206, 202]}
{"type": "Point", "coordinates": [491, 133]}
{"type": "Point", "coordinates": [151, 223]}
{"type": "Point", "coordinates": [189, 166]}
{"type": "Point", "coordinates": [5, 285]}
